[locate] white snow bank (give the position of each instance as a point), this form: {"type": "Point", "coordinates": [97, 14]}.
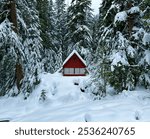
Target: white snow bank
{"type": "Point", "coordinates": [68, 103]}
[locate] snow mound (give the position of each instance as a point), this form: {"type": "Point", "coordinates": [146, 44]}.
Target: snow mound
{"type": "Point", "coordinates": [60, 89]}
{"type": "Point", "coordinates": [134, 9]}
{"type": "Point", "coordinates": [121, 16]}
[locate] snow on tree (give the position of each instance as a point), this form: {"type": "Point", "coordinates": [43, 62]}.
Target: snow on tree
{"type": "Point", "coordinates": [43, 96]}
{"type": "Point", "coordinates": [122, 39]}
{"type": "Point", "coordinates": [79, 35]}
{"type": "Point", "coordinates": [9, 48]}
{"type": "Point", "coordinates": [60, 31]}
{"type": "Point", "coordinates": [101, 60]}
{"type": "Point", "coordinates": [21, 52]}
{"type": "Point", "coordinates": [31, 41]}
{"type": "Point", "coordinates": [46, 17]}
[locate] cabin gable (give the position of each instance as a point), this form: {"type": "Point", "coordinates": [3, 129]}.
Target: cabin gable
{"type": "Point", "coordinates": [74, 65]}
{"type": "Point", "coordinates": [74, 62]}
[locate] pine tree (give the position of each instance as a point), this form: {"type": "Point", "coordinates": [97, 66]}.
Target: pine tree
{"type": "Point", "coordinates": [43, 9]}
{"type": "Point", "coordinates": [60, 31]}
{"type": "Point", "coordinates": [30, 32]}
{"type": "Point", "coordinates": [46, 18]}
{"type": "Point", "coordinates": [122, 54]}
{"type": "Point", "coordinates": [145, 45]}
{"type": "Point", "coordinates": [79, 35]}
{"type": "Point", "coordinates": [22, 52]}
{"type": "Point", "coordinates": [101, 61]}
{"type": "Point", "coordinates": [8, 56]}
{"type": "Point", "coordinates": [10, 49]}
{"type": "Point", "coordinates": [120, 44]}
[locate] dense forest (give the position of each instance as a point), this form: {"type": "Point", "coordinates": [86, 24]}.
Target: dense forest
{"type": "Point", "coordinates": [37, 35]}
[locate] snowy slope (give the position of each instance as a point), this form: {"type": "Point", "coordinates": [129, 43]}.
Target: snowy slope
{"type": "Point", "coordinates": [66, 102]}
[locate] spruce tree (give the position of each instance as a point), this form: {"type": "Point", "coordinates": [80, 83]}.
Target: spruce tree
{"type": "Point", "coordinates": [60, 31]}
{"type": "Point", "coordinates": [46, 18]}
{"type": "Point", "coordinates": [43, 9]}
{"type": "Point", "coordinates": [9, 44]}
{"type": "Point", "coordinates": [120, 48]}
{"type": "Point", "coordinates": [10, 49]}
{"type": "Point", "coordinates": [21, 52]}
{"type": "Point", "coordinates": [79, 35]}
{"type": "Point", "coordinates": [101, 61]}
{"type": "Point", "coordinates": [144, 52]}
{"type": "Point", "coordinates": [29, 29]}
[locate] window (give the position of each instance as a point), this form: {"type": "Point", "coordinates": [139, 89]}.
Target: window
{"type": "Point", "coordinates": [82, 70]}
{"type": "Point", "coordinates": [66, 70]}
{"type": "Point", "coordinates": [71, 70]}
{"type": "Point", "coordinates": [74, 70]}
{"type": "Point", "coordinates": [77, 71]}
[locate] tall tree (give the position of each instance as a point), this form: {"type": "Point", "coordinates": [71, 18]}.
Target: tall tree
{"type": "Point", "coordinates": [79, 35]}
{"type": "Point", "coordinates": [144, 52]}
{"type": "Point", "coordinates": [10, 48]}
{"type": "Point", "coordinates": [45, 9]}
{"type": "Point", "coordinates": [21, 52]}
{"type": "Point", "coordinates": [101, 60]}
{"type": "Point", "coordinates": [30, 33]}
{"type": "Point", "coordinates": [120, 44]}
{"type": "Point", "coordinates": [60, 31]}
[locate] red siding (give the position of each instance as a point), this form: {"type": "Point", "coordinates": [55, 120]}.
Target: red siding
{"type": "Point", "coordinates": [74, 62]}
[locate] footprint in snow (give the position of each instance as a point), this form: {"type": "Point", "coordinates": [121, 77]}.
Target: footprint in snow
{"type": "Point", "coordinates": [87, 118]}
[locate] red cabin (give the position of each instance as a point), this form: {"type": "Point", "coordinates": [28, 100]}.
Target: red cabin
{"type": "Point", "coordinates": [74, 65]}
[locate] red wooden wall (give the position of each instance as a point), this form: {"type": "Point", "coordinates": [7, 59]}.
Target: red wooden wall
{"type": "Point", "coordinates": [74, 62]}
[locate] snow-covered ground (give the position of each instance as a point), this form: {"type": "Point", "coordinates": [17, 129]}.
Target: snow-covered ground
{"type": "Point", "coordinates": [67, 103]}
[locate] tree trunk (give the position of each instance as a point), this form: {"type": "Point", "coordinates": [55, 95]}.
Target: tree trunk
{"type": "Point", "coordinates": [130, 19]}
{"type": "Point", "coordinates": [19, 75]}
{"type": "Point", "coordinates": [13, 18]}
{"type": "Point", "coordinates": [13, 15]}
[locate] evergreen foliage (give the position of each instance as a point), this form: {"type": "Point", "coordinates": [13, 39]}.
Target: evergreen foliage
{"type": "Point", "coordinates": [123, 49]}
{"type": "Point", "coordinates": [79, 35]}
{"type": "Point", "coordinates": [43, 96]}
{"type": "Point", "coordinates": [32, 47]}
{"type": "Point", "coordinates": [60, 31]}
{"type": "Point", "coordinates": [9, 46]}
{"type": "Point", "coordinates": [45, 9]}
{"type": "Point", "coordinates": [21, 51]}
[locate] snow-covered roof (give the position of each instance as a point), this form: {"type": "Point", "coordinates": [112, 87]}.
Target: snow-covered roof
{"type": "Point", "coordinates": [74, 52]}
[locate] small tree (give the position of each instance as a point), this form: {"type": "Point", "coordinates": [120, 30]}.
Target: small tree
{"type": "Point", "coordinates": [43, 96]}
